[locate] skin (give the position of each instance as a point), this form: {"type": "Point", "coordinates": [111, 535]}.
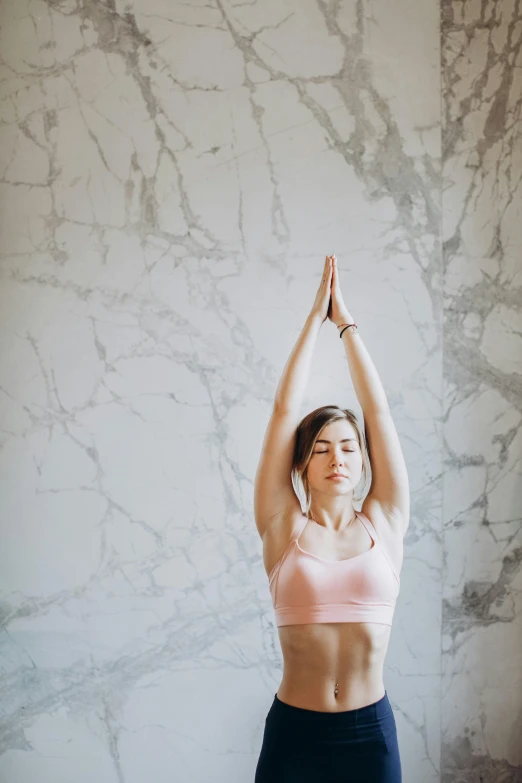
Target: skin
{"type": "Point", "coordinates": [330, 666]}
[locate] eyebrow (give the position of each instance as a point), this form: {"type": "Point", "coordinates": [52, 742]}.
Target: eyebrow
{"type": "Point", "coordinates": [345, 440]}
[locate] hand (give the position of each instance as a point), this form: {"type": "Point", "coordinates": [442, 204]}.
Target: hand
{"type": "Point", "coordinates": [322, 304]}
{"type": "Point", "coordinates": [338, 312]}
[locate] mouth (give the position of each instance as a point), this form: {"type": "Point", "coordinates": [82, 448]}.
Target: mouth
{"type": "Point", "coordinates": [336, 476]}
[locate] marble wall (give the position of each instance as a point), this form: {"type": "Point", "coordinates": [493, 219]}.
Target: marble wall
{"type": "Point", "coordinates": [172, 175]}
{"type": "Point", "coordinates": [481, 694]}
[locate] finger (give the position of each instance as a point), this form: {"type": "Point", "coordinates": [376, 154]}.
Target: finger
{"type": "Point", "coordinates": [326, 271]}
{"type": "Point", "coordinates": [329, 275]}
{"type": "Point", "coordinates": [328, 280]}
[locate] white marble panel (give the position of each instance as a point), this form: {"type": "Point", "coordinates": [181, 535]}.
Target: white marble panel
{"type": "Point", "coordinates": [172, 175]}
{"type": "Point", "coordinates": [482, 577]}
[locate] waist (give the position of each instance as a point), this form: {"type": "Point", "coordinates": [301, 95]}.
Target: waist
{"type": "Point", "coordinates": [367, 704]}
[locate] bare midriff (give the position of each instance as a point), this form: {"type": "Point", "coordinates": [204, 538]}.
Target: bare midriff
{"type": "Point", "coordinates": [332, 667]}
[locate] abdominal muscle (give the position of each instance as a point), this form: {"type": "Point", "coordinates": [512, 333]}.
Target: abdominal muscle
{"type": "Point", "coordinates": [332, 667]}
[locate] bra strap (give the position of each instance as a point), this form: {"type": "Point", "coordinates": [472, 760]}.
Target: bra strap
{"type": "Point", "coordinates": [371, 527]}
{"type": "Point", "coordinates": [299, 527]}
{"type": "Point", "coordinates": [296, 532]}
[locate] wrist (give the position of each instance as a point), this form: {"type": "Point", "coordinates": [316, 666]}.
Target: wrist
{"type": "Point", "coordinates": [316, 318]}
{"type": "Point", "coordinates": [344, 319]}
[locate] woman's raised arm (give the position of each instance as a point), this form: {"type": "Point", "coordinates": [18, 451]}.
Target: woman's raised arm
{"type": "Point", "coordinates": [290, 391]}
{"type": "Point", "coordinates": [390, 485]}
{"type": "Point", "coordinates": [274, 494]}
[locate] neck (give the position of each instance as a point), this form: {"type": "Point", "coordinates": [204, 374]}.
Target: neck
{"type": "Point", "coordinates": [337, 524]}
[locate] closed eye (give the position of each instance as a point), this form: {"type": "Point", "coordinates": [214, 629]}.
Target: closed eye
{"type": "Point", "coordinates": [350, 451]}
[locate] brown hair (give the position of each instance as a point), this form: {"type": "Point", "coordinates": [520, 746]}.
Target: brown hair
{"type": "Point", "coordinates": [307, 433]}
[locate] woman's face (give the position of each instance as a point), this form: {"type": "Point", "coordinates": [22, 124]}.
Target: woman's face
{"type": "Point", "coordinates": [336, 450]}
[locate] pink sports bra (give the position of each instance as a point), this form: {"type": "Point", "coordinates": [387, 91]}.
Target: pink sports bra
{"type": "Point", "coordinates": [309, 589]}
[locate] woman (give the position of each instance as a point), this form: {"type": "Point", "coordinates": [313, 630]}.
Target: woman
{"type": "Point", "coordinates": [333, 572]}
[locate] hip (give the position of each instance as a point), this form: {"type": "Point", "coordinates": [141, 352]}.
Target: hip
{"type": "Point", "coordinates": [311, 743]}
{"type": "Point", "coordinates": [374, 720]}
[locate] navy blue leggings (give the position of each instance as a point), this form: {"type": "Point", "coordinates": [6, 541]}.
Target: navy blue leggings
{"type": "Point", "coordinates": [308, 746]}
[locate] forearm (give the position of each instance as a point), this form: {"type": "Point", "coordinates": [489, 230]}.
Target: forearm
{"type": "Point", "coordinates": [291, 389]}
{"type": "Point", "coordinates": [366, 381]}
